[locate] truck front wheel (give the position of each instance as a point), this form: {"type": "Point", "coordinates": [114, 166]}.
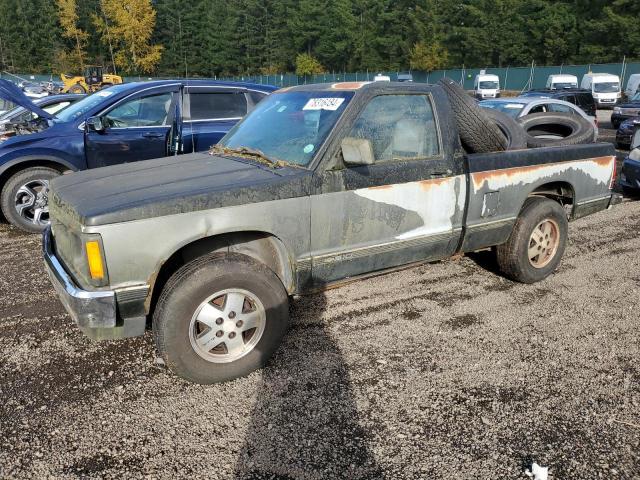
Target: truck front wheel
{"type": "Point", "coordinates": [220, 317]}
{"type": "Point", "coordinates": [537, 242]}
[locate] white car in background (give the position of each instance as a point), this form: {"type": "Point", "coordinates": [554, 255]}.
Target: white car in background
{"type": "Point", "coordinates": [517, 107]}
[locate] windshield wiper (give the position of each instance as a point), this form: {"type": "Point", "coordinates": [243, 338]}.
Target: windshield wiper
{"type": "Point", "coordinates": [253, 153]}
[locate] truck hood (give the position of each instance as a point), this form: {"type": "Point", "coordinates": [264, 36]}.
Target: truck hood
{"type": "Point", "coordinates": [13, 94]}
{"type": "Point", "coordinates": [168, 186]}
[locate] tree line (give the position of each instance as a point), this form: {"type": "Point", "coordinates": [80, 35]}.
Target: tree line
{"type": "Point", "coordinates": [249, 37]}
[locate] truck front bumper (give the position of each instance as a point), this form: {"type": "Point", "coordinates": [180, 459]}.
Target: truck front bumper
{"type": "Point", "coordinates": [95, 312]}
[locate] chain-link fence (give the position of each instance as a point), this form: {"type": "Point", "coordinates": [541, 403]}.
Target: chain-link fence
{"type": "Point", "coordinates": [511, 78]}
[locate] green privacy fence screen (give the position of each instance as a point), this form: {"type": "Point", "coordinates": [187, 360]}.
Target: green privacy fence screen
{"type": "Point", "coordinates": [511, 78]}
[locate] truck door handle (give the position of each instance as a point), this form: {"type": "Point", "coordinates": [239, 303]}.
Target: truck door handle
{"type": "Point", "coordinates": [446, 173]}
{"type": "Point", "coordinates": [153, 134]}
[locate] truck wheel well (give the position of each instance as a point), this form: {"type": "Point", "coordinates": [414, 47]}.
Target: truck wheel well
{"type": "Point", "coordinates": [262, 247]}
{"type": "Point", "coordinates": [9, 172]}
{"type": "Point", "coordinates": [561, 192]}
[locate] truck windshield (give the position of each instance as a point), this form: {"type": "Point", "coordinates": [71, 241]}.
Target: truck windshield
{"type": "Point", "coordinates": [289, 126]}
{"type": "Point", "coordinates": [606, 87]}
{"type": "Point", "coordinates": [512, 109]}
{"type": "Point", "coordinates": [79, 109]}
{"type": "Point", "coordinates": [488, 85]}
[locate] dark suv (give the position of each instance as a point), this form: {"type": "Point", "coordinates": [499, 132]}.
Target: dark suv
{"type": "Point", "coordinates": [580, 97]}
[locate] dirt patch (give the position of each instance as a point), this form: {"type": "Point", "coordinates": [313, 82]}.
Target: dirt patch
{"type": "Point", "coordinates": [440, 371]}
{"type": "Point", "coordinates": [461, 322]}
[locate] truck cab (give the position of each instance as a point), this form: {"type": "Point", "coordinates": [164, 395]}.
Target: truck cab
{"type": "Point", "coordinates": [604, 87]}
{"type": "Point", "coordinates": [486, 86]}
{"type": "Point", "coordinates": [124, 123]}
{"type": "Point", "coordinates": [560, 81]}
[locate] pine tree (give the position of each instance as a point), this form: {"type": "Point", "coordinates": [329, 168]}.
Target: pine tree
{"type": "Point", "coordinates": [68, 16]}
{"type": "Point", "coordinates": [131, 24]}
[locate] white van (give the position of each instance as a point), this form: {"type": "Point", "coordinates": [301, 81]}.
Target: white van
{"type": "Point", "coordinates": [381, 78]}
{"type": "Point", "coordinates": [604, 87]}
{"type": "Point", "coordinates": [555, 82]}
{"type": "Point", "coordinates": [633, 85]}
{"type": "Point", "coordinates": [486, 86]}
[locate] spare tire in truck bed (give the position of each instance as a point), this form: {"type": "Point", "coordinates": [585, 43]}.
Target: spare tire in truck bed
{"type": "Point", "coordinates": [479, 134]}
{"type": "Point", "coordinates": [511, 129]}
{"type": "Point", "coordinates": [556, 129]}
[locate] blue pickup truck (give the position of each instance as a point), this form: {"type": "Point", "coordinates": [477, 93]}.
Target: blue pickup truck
{"type": "Point", "coordinates": [123, 123]}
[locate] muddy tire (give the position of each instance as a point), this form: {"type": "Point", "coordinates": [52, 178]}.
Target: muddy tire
{"type": "Point", "coordinates": [220, 317]}
{"type": "Point", "coordinates": [569, 129]}
{"type": "Point", "coordinates": [24, 198]}
{"type": "Point", "coordinates": [537, 242]}
{"type": "Point", "coordinates": [478, 133]}
{"type": "Point", "coordinates": [77, 89]}
{"type": "Point", "coordinates": [510, 128]}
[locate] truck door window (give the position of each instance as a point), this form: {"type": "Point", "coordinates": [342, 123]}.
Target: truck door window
{"type": "Point", "coordinates": [216, 106]}
{"type": "Point", "coordinates": [151, 111]}
{"type": "Point", "coordinates": [399, 127]}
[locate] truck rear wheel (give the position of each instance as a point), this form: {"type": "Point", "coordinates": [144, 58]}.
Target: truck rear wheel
{"type": "Point", "coordinates": [220, 317]}
{"type": "Point", "coordinates": [537, 242]}
{"type": "Point", "coordinates": [25, 198]}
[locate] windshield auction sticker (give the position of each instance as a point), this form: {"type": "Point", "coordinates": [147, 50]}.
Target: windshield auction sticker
{"type": "Point", "coordinates": [323, 104]}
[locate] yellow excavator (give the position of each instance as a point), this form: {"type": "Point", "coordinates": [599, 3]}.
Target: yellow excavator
{"type": "Point", "coordinates": [93, 80]}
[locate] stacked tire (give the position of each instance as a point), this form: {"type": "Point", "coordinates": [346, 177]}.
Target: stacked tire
{"type": "Point", "coordinates": [487, 130]}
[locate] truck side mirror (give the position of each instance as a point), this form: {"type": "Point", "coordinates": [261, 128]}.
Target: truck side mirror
{"type": "Point", "coordinates": [635, 138]}
{"type": "Point", "coordinates": [357, 151]}
{"type": "Point", "coordinates": [95, 124]}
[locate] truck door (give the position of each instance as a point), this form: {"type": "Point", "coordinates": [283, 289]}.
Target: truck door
{"type": "Point", "coordinates": [407, 206]}
{"type": "Point", "coordinates": [136, 128]}
{"type": "Point", "coordinates": [209, 113]}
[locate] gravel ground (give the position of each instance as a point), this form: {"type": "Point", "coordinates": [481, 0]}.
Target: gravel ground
{"type": "Point", "coordinates": [443, 371]}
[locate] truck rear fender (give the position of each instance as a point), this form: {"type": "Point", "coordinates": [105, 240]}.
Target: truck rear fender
{"type": "Point", "coordinates": [260, 246]}
{"type": "Point", "coordinates": [561, 192]}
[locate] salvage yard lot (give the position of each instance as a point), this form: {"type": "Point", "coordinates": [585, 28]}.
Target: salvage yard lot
{"type": "Point", "coordinates": [441, 371]}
